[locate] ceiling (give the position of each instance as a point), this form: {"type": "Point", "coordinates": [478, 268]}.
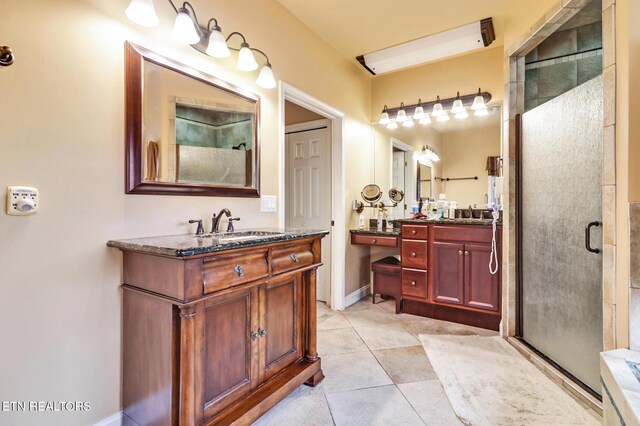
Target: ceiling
{"type": "Point", "coordinates": [356, 27]}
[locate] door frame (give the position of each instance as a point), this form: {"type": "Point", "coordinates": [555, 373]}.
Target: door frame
{"type": "Point", "coordinates": [287, 92]}
{"type": "Point", "coordinates": [410, 171]}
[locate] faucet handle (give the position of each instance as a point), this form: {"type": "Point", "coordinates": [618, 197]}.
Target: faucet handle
{"type": "Point", "coordinates": [230, 227]}
{"type": "Point", "coordinates": [200, 230]}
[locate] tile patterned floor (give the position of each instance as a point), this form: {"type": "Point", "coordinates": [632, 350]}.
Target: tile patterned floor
{"type": "Point", "coordinates": [376, 372]}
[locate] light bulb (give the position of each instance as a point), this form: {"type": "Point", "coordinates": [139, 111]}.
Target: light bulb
{"type": "Point", "coordinates": [442, 118]}
{"type": "Point", "coordinates": [425, 120]}
{"type": "Point", "coordinates": [246, 61]}
{"type": "Point", "coordinates": [384, 117]}
{"type": "Point", "coordinates": [407, 123]}
{"type": "Point", "coordinates": [265, 78]}
{"type": "Point", "coordinates": [437, 109]}
{"type": "Point", "coordinates": [462, 115]}
{"type": "Point", "coordinates": [217, 47]}
{"type": "Point", "coordinates": [418, 114]}
{"type": "Point", "coordinates": [392, 125]}
{"type": "Point", "coordinates": [457, 107]}
{"type": "Point", "coordinates": [184, 29]}
{"type": "Point", "coordinates": [481, 112]}
{"type": "Point", "coordinates": [478, 102]}
{"type": "Point", "coordinates": [402, 116]}
{"type": "Point", "coordinates": [142, 13]}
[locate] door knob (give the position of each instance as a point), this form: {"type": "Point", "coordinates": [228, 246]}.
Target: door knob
{"type": "Point", "coordinates": [413, 254]}
{"type": "Point", "coordinates": [460, 252]}
{"type": "Point", "coordinates": [413, 283]}
{"type": "Point", "coordinates": [262, 332]}
{"type": "Point", "coordinates": [255, 335]}
{"type": "Point", "coordinates": [466, 253]}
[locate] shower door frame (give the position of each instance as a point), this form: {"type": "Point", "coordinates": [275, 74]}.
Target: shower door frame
{"type": "Point", "coordinates": [513, 106]}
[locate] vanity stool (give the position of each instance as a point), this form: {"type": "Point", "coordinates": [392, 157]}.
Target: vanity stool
{"type": "Point", "coordinates": [387, 279]}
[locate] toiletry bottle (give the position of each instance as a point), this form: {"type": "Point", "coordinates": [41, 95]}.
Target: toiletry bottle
{"type": "Point", "coordinates": [361, 220]}
{"type": "Point", "coordinates": [379, 220]}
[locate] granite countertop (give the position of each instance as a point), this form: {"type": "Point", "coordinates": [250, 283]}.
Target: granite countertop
{"type": "Point", "coordinates": [621, 379]}
{"type": "Point", "coordinates": [190, 245]}
{"type": "Point", "coordinates": [452, 221]}
{"type": "Point", "coordinates": [394, 232]}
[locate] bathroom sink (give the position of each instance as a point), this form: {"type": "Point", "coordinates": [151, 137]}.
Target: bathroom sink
{"type": "Point", "coordinates": [228, 237]}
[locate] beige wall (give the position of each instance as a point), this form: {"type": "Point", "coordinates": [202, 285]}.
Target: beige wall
{"type": "Point", "coordinates": [63, 104]}
{"type": "Point", "coordinates": [464, 154]}
{"type": "Point", "coordinates": [294, 114]}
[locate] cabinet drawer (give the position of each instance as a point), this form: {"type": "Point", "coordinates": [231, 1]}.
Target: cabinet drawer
{"type": "Point", "coordinates": [290, 258]}
{"type": "Point", "coordinates": [374, 240]}
{"type": "Point", "coordinates": [227, 271]}
{"type": "Point", "coordinates": [414, 283]}
{"type": "Point", "coordinates": [414, 254]}
{"type": "Point", "coordinates": [416, 232]}
{"type": "Point", "coordinates": [464, 233]}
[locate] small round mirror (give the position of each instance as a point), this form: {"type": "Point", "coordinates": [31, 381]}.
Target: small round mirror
{"type": "Point", "coordinates": [396, 195]}
{"type": "Point", "coordinates": [371, 193]}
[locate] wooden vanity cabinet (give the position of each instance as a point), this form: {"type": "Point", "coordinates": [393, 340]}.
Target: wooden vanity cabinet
{"type": "Point", "coordinates": [445, 273]}
{"type": "Point", "coordinates": [229, 353]}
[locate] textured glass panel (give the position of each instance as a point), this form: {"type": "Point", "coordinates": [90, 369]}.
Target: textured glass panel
{"type": "Point", "coordinates": [561, 194]}
{"type": "Point", "coordinates": [196, 165]}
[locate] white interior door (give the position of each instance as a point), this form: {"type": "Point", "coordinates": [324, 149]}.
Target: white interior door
{"type": "Point", "coordinates": [308, 192]}
{"type": "Point", "coordinates": [397, 181]}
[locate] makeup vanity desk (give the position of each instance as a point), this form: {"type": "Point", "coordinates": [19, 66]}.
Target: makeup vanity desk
{"type": "Point", "coordinates": [444, 268]}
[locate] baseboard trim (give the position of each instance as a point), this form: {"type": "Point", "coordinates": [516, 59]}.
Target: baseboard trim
{"type": "Point", "coordinates": [557, 376]}
{"type": "Point", "coordinates": [357, 295]}
{"type": "Point", "coordinates": [113, 420]}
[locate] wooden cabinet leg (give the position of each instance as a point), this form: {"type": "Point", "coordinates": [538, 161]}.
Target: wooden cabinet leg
{"type": "Point", "coordinates": [311, 351]}
{"type": "Point", "coordinates": [187, 412]}
{"type": "Point", "coordinates": [315, 379]}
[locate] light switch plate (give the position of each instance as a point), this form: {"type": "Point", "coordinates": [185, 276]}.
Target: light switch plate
{"type": "Point", "coordinates": [268, 203]}
{"type": "Point", "coordinates": [22, 200]}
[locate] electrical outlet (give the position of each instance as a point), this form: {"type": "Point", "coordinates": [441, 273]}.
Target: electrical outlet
{"type": "Point", "coordinates": [22, 200]}
{"type": "Point", "coordinates": [268, 203]}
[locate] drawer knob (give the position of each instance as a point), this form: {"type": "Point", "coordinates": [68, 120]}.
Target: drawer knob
{"type": "Point", "coordinates": [460, 252]}
{"type": "Point", "coordinates": [413, 283]}
{"type": "Point", "coordinates": [262, 332]}
{"type": "Point", "coordinates": [374, 241]}
{"type": "Point", "coordinates": [255, 335]}
{"type": "Point", "coordinates": [413, 254]}
{"type": "Point", "coordinates": [294, 258]}
{"type": "Point", "coordinates": [414, 232]}
{"type": "Point", "coordinates": [238, 270]}
{"type": "Point", "coordinates": [466, 253]}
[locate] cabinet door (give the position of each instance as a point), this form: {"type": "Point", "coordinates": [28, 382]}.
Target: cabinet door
{"type": "Point", "coordinates": [448, 272]}
{"type": "Point", "coordinates": [281, 324]}
{"type": "Point", "coordinates": [227, 361]}
{"type": "Point", "coordinates": [481, 288]}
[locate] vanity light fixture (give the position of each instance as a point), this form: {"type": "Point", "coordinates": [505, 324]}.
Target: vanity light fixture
{"type": "Point", "coordinates": [384, 117]}
{"type": "Point", "coordinates": [437, 109]}
{"type": "Point", "coordinates": [478, 102]}
{"type": "Point", "coordinates": [428, 155]}
{"type": "Point", "coordinates": [142, 13]}
{"type": "Point", "coordinates": [418, 113]}
{"type": "Point", "coordinates": [184, 29]}
{"type": "Point", "coordinates": [208, 40]}
{"type": "Point", "coordinates": [443, 117]}
{"type": "Point", "coordinates": [408, 123]}
{"type": "Point", "coordinates": [458, 106]}
{"type": "Point", "coordinates": [401, 117]}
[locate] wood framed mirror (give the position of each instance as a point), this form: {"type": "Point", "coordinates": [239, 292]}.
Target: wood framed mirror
{"type": "Point", "coordinates": [187, 132]}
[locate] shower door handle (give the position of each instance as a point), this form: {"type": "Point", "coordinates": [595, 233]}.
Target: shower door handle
{"type": "Point", "coordinates": [587, 237]}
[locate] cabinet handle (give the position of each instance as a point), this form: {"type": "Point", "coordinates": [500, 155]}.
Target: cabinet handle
{"type": "Point", "coordinates": [294, 258]}
{"type": "Point", "coordinates": [466, 253]}
{"type": "Point", "coordinates": [413, 254]}
{"type": "Point", "coordinates": [460, 252]}
{"type": "Point", "coordinates": [413, 283]}
{"type": "Point", "coordinates": [374, 241]}
{"type": "Point", "coordinates": [263, 332]}
{"type": "Point", "coordinates": [238, 270]}
{"type": "Point", "coordinates": [414, 232]}
{"type": "Point", "coordinates": [255, 335]}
